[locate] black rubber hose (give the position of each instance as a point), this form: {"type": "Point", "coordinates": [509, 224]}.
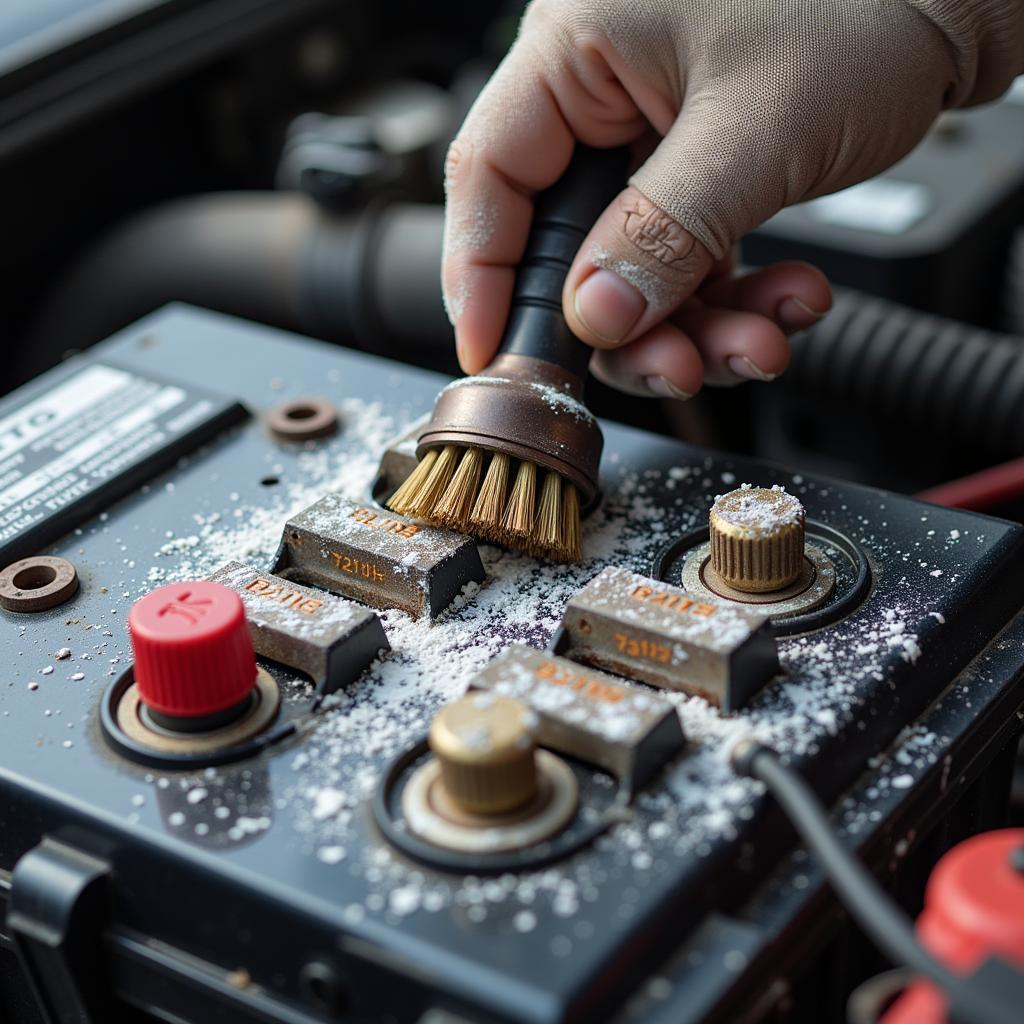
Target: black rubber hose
{"type": "Point", "coordinates": [1013, 295]}
{"type": "Point", "coordinates": [958, 380]}
{"type": "Point", "coordinates": [369, 279]}
{"type": "Point", "coordinates": [864, 898]}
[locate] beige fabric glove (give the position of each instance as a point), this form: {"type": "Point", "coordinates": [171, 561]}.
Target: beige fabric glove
{"type": "Point", "coordinates": [741, 107]}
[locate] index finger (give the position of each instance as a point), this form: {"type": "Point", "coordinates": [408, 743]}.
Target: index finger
{"type": "Point", "coordinates": [513, 143]}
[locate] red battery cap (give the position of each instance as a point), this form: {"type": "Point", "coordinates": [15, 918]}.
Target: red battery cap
{"type": "Point", "coordinates": [974, 909]}
{"type": "Point", "coordinates": [974, 903]}
{"type": "Point", "coordinates": [193, 653]}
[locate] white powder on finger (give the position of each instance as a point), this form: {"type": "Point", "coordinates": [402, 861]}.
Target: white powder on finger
{"type": "Point", "coordinates": [469, 226]}
{"type": "Point", "coordinates": [656, 291]}
{"type": "Point", "coordinates": [455, 300]}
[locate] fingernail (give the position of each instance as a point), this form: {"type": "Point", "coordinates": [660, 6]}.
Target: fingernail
{"type": "Point", "coordinates": [795, 313]}
{"type": "Point", "coordinates": [746, 368]}
{"type": "Point", "coordinates": [608, 306]}
{"type": "Point", "coordinates": [666, 389]}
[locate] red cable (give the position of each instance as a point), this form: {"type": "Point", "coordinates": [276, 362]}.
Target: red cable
{"type": "Point", "coordinates": [981, 490]}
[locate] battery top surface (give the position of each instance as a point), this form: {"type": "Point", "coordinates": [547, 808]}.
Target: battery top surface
{"type": "Point", "coordinates": [288, 830]}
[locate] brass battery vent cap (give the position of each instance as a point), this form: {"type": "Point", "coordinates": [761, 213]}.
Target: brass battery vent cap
{"type": "Point", "coordinates": [484, 746]}
{"type": "Point", "coordinates": [488, 789]}
{"type": "Point", "coordinates": [757, 539]}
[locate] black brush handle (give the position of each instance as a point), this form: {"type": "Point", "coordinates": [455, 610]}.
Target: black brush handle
{"type": "Point", "coordinates": [563, 217]}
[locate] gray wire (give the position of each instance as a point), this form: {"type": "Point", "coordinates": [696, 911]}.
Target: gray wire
{"type": "Point", "coordinates": [861, 895]}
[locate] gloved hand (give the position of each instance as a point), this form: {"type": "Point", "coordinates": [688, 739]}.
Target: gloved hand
{"type": "Point", "coordinates": [738, 108]}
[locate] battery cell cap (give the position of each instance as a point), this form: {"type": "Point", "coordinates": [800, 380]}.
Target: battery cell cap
{"type": "Point", "coordinates": [627, 730]}
{"type": "Point", "coordinates": [757, 538]}
{"type": "Point", "coordinates": [647, 630]}
{"type": "Point", "coordinates": [974, 910]}
{"type": "Point", "coordinates": [193, 654]}
{"type": "Point", "coordinates": [974, 903]}
{"type": "Point", "coordinates": [377, 557]}
{"type": "Point", "coordinates": [484, 745]}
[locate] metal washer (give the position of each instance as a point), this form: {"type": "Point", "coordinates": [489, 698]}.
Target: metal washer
{"type": "Point", "coordinates": [553, 808]}
{"type": "Point", "coordinates": [303, 419]}
{"type": "Point", "coordinates": [37, 583]}
{"type": "Point", "coordinates": [811, 591]}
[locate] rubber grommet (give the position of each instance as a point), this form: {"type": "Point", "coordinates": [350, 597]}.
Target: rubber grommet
{"type": "Point", "coordinates": [390, 820]}
{"type": "Point", "coordinates": [143, 745]}
{"type": "Point", "coordinates": [844, 599]}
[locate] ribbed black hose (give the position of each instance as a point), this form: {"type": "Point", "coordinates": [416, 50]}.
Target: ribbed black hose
{"type": "Point", "coordinates": [1013, 295]}
{"type": "Point", "coordinates": [960, 381]}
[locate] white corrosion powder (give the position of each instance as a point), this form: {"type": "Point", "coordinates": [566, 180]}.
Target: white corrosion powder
{"type": "Point", "coordinates": [759, 509]}
{"type": "Point", "coordinates": [824, 688]}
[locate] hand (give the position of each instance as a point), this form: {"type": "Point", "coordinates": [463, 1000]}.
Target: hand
{"type": "Point", "coordinates": [740, 107]}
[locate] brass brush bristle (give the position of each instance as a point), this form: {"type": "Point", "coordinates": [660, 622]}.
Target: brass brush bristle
{"type": "Point", "coordinates": [451, 488]}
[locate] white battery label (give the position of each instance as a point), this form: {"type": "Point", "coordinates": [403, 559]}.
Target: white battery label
{"type": "Point", "coordinates": [86, 431]}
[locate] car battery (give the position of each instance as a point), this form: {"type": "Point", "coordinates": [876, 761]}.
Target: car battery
{"type": "Point", "coordinates": [270, 752]}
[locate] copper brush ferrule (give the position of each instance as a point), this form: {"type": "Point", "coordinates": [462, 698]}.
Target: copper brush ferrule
{"type": "Point", "coordinates": [512, 454]}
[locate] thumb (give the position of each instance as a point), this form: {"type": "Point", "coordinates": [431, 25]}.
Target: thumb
{"type": "Point", "coordinates": [635, 267]}
{"type": "Point", "coordinates": [644, 258]}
